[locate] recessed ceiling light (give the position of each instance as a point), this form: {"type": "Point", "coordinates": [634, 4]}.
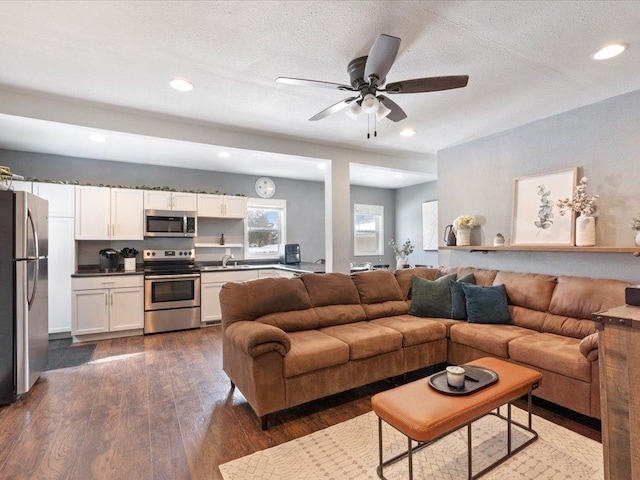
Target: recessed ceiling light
{"type": "Point", "coordinates": [224, 154]}
{"type": "Point", "coordinates": [181, 85]}
{"type": "Point", "coordinates": [98, 138]}
{"type": "Point", "coordinates": [609, 51]}
{"type": "Point", "coordinates": [408, 132]}
{"type": "Point", "coordinates": [398, 175]}
{"type": "Point", "coordinates": [322, 166]}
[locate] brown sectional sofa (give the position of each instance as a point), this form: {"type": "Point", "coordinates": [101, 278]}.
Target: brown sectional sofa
{"type": "Point", "coordinates": [289, 341]}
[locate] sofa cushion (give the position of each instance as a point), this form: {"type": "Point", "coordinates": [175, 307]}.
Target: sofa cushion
{"type": "Point", "coordinates": [579, 297]}
{"type": "Point", "coordinates": [250, 300]}
{"type": "Point", "coordinates": [377, 286]}
{"type": "Point", "coordinates": [414, 330]}
{"type": "Point", "coordinates": [458, 299]}
{"type": "Point", "coordinates": [404, 276]}
{"type": "Point", "coordinates": [567, 326]}
{"type": "Point", "coordinates": [380, 294]}
{"type": "Point", "coordinates": [366, 339]}
{"type": "Point", "coordinates": [483, 277]}
{"type": "Point", "coordinates": [492, 339]}
{"type": "Point", "coordinates": [486, 304]}
{"type": "Point", "coordinates": [385, 309]}
{"type": "Point", "coordinates": [530, 290]}
{"type": "Point", "coordinates": [431, 298]}
{"type": "Point", "coordinates": [312, 350]}
{"type": "Point", "coordinates": [554, 353]}
{"type": "Point", "coordinates": [527, 318]}
{"type": "Point", "coordinates": [330, 289]}
{"type": "Point", "coordinates": [334, 297]}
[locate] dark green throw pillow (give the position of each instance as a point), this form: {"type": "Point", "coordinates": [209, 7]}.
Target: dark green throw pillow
{"type": "Point", "coordinates": [458, 300]}
{"type": "Point", "coordinates": [431, 298]}
{"type": "Point", "coordinates": [486, 304]}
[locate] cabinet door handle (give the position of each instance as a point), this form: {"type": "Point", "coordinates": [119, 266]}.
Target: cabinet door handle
{"type": "Point", "coordinates": [111, 295]}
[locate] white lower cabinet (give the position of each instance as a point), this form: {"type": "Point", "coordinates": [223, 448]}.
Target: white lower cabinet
{"type": "Point", "coordinates": [110, 303]}
{"type": "Point", "coordinates": [210, 285]}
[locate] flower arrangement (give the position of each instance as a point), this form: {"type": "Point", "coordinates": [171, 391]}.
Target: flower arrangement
{"type": "Point", "coordinates": [401, 251]}
{"type": "Point", "coordinates": [465, 222]}
{"type": "Point", "coordinates": [635, 222]}
{"type": "Point", "coordinates": [581, 202]}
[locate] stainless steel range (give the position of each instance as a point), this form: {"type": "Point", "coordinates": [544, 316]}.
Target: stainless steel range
{"type": "Point", "coordinates": [171, 290]}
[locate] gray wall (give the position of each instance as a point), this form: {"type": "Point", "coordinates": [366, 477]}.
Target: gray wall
{"type": "Point", "coordinates": [602, 139]}
{"type": "Point", "coordinates": [305, 201]}
{"type": "Point", "coordinates": [409, 220]}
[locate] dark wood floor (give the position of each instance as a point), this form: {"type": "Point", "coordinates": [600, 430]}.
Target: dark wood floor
{"type": "Point", "coordinates": [159, 407]}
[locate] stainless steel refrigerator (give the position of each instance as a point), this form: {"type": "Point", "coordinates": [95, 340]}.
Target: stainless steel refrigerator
{"type": "Point", "coordinates": [24, 325]}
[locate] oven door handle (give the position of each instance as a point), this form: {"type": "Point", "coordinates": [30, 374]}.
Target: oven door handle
{"type": "Point", "coordinates": [171, 277]}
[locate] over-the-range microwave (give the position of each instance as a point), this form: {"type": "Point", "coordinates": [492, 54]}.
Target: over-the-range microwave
{"type": "Point", "coordinates": [168, 223]}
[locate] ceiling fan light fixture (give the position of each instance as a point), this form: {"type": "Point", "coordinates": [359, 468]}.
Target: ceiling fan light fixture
{"type": "Point", "coordinates": [408, 132]}
{"type": "Point", "coordinates": [354, 111]}
{"type": "Point", "coordinates": [382, 111]}
{"type": "Point", "coordinates": [370, 104]}
{"type": "Point", "coordinates": [609, 51]}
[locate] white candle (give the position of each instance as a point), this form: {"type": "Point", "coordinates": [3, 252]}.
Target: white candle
{"type": "Point", "coordinates": [455, 376]}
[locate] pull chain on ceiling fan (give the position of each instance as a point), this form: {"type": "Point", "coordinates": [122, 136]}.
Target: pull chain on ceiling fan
{"type": "Point", "coordinates": [367, 77]}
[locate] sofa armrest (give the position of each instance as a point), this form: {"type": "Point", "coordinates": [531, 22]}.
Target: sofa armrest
{"type": "Point", "coordinates": [255, 338]}
{"type": "Point", "coordinates": [589, 347]}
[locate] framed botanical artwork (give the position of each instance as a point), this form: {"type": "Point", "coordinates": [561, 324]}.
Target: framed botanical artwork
{"type": "Point", "coordinates": [536, 218]}
{"type": "Point", "coordinates": [430, 225]}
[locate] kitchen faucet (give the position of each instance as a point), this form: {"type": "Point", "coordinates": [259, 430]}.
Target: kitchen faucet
{"type": "Point", "coordinates": [226, 258]}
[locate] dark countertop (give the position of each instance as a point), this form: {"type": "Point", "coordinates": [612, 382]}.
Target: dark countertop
{"type": "Point", "coordinates": [94, 271]}
{"type": "Point", "coordinates": [302, 267]}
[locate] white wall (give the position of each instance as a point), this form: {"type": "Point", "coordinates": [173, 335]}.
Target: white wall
{"type": "Point", "coordinates": [602, 139]}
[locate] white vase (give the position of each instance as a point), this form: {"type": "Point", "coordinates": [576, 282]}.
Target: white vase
{"type": "Point", "coordinates": [400, 262]}
{"type": "Point", "coordinates": [463, 237]}
{"type": "Point", "coordinates": [585, 231]}
{"type": "Point", "coordinates": [638, 238]}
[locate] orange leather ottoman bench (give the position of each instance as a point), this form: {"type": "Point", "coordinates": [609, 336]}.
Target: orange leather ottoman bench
{"type": "Point", "coordinates": [425, 415]}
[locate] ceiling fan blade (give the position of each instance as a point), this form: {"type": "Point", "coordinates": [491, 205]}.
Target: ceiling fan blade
{"type": "Point", "coordinates": [381, 56]}
{"type": "Point", "coordinates": [431, 84]}
{"type": "Point", "coordinates": [332, 109]}
{"type": "Point", "coordinates": [313, 83]}
{"type": "Point", "coordinates": [397, 113]}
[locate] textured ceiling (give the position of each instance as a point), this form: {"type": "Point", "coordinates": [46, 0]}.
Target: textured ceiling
{"type": "Point", "coordinates": [526, 60]}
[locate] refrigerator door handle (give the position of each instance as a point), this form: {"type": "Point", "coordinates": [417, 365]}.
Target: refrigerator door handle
{"type": "Point", "coordinates": [37, 255]}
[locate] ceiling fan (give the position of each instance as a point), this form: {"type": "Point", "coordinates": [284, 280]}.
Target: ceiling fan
{"type": "Point", "coordinates": [368, 76]}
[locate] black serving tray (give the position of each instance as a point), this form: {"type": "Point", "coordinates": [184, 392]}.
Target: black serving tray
{"type": "Point", "coordinates": [438, 381]}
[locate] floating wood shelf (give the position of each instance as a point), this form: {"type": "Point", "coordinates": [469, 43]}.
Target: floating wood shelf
{"type": "Point", "coordinates": [543, 248]}
{"type": "Point", "coordinates": [217, 245]}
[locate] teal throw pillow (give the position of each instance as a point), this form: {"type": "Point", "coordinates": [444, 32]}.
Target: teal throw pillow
{"type": "Point", "coordinates": [486, 304]}
{"type": "Point", "coordinates": [431, 298]}
{"type": "Point", "coordinates": [458, 300]}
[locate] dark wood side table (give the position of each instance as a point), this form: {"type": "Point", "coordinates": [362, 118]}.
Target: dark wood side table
{"type": "Point", "coordinates": [619, 360]}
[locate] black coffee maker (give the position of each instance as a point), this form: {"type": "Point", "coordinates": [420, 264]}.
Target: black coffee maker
{"type": "Point", "coordinates": [108, 260]}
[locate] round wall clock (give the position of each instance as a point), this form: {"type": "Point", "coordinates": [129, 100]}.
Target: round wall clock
{"type": "Point", "coordinates": [265, 187]}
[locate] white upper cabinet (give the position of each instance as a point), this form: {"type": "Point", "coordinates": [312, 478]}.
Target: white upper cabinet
{"type": "Point", "coordinates": [221, 206]}
{"type": "Point", "coordinates": [105, 213]}
{"type": "Point", "coordinates": [127, 214]}
{"type": "Point", "coordinates": [61, 198]}
{"type": "Point", "coordinates": [159, 200]}
{"type": "Point", "coordinates": [19, 186]}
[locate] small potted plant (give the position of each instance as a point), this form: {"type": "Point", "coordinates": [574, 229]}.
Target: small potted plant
{"type": "Point", "coordinates": [463, 225]}
{"type": "Point", "coordinates": [635, 225]}
{"type": "Point", "coordinates": [401, 252]}
{"type": "Point", "coordinates": [129, 255]}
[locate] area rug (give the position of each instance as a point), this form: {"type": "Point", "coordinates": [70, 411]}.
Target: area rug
{"type": "Point", "coordinates": [349, 450]}
{"type": "Point", "coordinates": [62, 354]}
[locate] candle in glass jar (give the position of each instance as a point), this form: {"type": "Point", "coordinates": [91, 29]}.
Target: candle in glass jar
{"type": "Point", "coordinates": [455, 376]}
